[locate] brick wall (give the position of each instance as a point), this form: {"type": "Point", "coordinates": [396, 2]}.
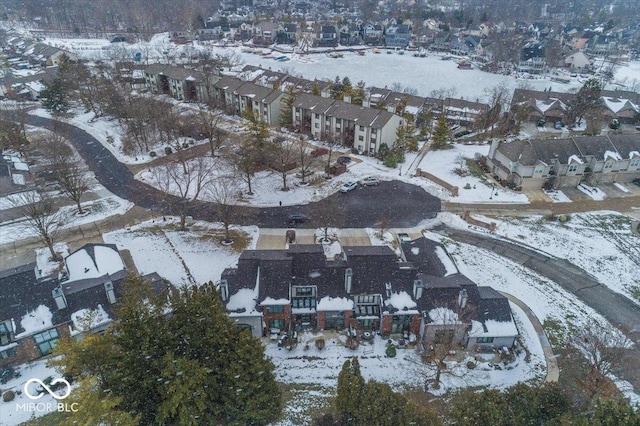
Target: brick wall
{"type": "Point", "coordinates": [451, 188]}
{"type": "Point", "coordinates": [286, 316]}
{"type": "Point", "coordinates": [27, 350]}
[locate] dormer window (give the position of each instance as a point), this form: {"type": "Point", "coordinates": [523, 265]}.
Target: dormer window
{"type": "Point", "coordinates": [6, 332]}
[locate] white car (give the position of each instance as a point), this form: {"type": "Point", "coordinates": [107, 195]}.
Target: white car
{"type": "Point", "coordinates": [369, 181]}
{"type": "Point", "coordinates": [349, 186]}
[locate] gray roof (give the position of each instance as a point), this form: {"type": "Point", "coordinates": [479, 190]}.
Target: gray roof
{"type": "Point", "coordinates": [626, 144]}
{"type": "Point", "coordinates": [528, 153]}
{"type": "Point", "coordinates": [313, 103]}
{"type": "Point", "coordinates": [360, 115]}
{"type": "Point", "coordinates": [594, 146]}
{"type": "Point", "coordinates": [228, 84]}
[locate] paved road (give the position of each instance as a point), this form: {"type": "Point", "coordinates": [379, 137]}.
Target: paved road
{"type": "Point", "coordinates": [617, 309]}
{"type": "Point", "coordinates": [404, 205]}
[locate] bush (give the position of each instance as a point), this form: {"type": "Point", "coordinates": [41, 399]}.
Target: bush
{"type": "Point", "coordinates": [320, 344]}
{"type": "Point", "coordinates": [152, 154]}
{"type": "Point", "coordinates": [391, 351]}
{"type": "Point", "coordinates": [8, 396]}
{"type": "Point", "coordinates": [471, 365]}
{"type": "Point", "coordinates": [168, 150]}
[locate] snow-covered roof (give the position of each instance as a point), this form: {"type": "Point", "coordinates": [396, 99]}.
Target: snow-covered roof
{"type": "Point", "coordinates": [446, 261]}
{"type": "Point", "coordinates": [93, 261]}
{"type": "Point", "coordinates": [400, 301]}
{"type": "Point", "coordinates": [91, 318]}
{"type": "Point", "coordinates": [617, 104]}
{"type": "Point", "coordinates": [18, 179]}
{"type": "Point", "coordinates": [36, 320]}
{"type": "Point", "coordinates": [243, 299]}
{"type": "Point", "coordinates": [329, 303]}
{"type": "Point", "coordinates": [575, 159]}
{"type": "Point", "coordinates": [493, 329]}
{"type": "Point", "coordinates": [443, 316]}
{"type": "Point", "coordinates": [634, 154]}
{"type": "Point", "coordinates": [19, 165]}
{"type": "Point", "coordinates": [613, 155]}
{"type": "Point", "coordinates": [271, 301]}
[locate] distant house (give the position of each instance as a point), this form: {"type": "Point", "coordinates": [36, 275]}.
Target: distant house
{"type": "Point", "coordinates": [265, 33]}
{"type": "Point", "coordinates": [181, 83]}
{"type": "Point", "coordinates": [28, 87]}
{"type": "Point", "coordinates": [397, 36]}
{"type": "Point", "coordinates": [327, 36]}
{"type": "Point", "coordinates": [557, 163]}
{"type": "Point", "coordinates": [367, 289]}
{"type": "Point", "coordinates": [36, 310]}
{"type": "Point", "coordinates": [578, 62]}
{"type": "Point", "coordinates": [45, 55]}
{"type": "Point", "coordinates": [373, 34]}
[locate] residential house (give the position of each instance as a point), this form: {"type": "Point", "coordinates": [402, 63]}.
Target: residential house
{"type": "Point", "coordinates": [398, 36]}
{"type": "Point", "coordinates": [265, 33]}
{"type": "Point", "coordinates": [557, 163]}
{"type": "Point", "coordinates": [463, 112]}
{"type": "Point", "coordinates": [327, 36]}
{"type": "Point", "coordinates": [49, 56]}
{"type": "Point", "coordinates": [238, 96]}
{"type": "Point", "coordinates": [577, 62]}
{"type": "Point", "coordinates": [182, 83]}
{"type": "Point", "coordinates": [367, 289]}
{"type": "Point", "coordinates": [287, 33]}
{"type": "Point", "coordinates": [622, 105]}
{"type": "Point", "coordinates": [362, 127]}
{"type": "Point", "coordinates": [373, 34]}
{"type": "Point", "coordinates": [602, 45]}
{"type": "Point", "coordinates": [38, 308]}
{"type": "Point", "coordinates": [26, 87]}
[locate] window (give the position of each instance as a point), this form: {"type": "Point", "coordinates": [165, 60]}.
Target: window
{"type": "Point", "coordinates": [608, 165]}
{"type": "Point", "coordinates": [333, 320]}
{"type": "Point", "coordinates": [484, 340]}
{"type": "Point", "coordinates": [46, 340]}
{"type": "Point", "coordinates": [634, 163]}
{"type": "Point", "coordinates": [7, 353]}
{"type": "Point", "coordinates": [275, 309]}
{"type": "Point", "coordinates": [361, 138]}
{"type": "Point", "coordinates": [304, 291]}
{"type": "Point", "coordinates": [6, 332]}
{"type": "Point", "coordinates": [303, 302]}
{"type": "Point", "coordinates": [539, 170]}
{"type": "Point", "coordinates": [573, 168]}
{"type": "Point", "coordinates": [317, 116]}
{"type": "Point", "coordinates": [374, 131]}
{"type": "Point", "coordinates": [361, 128]}
{"type": "Point", "coordinates": [279, 324]}
{"type": "Point", "coordinates": [316, 125]}
{"type": "Point", "coordinates": [366, 299]}
{"type": "Point", "coordinates": [366, 323]}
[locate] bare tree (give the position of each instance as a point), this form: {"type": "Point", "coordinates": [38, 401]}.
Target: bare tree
{"type": "Point", "coordinates": [13, 129]}
{"type": "Point", "coordinates": [305, 159]}
{"type": "Point", "coordinates": [66, 168]}
{"type": "Point", "coordinates": [283, 156]}
{"type": "Point", "coordinates": [209, 123]}
{"type": "Point", "coordinates": [224, 192]}
{"type": "Point", "coordinates": [40, 217]}
{"type": "Point", "coordinates": [184, 181]}
{"type": "Point", "coordinates": [604, 349]}
{"type": "Point", "coordinates": [499, 99]}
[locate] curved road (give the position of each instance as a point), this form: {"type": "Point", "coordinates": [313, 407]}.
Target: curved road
{"type": "Point", "coordinates": [398, 203]}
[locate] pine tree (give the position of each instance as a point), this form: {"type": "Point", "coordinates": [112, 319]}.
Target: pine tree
{"type": "Point", "coordinates": [441, 133]}
{"type": "Point", "coordinates": [406, 137]}
{"type": "Point", "coordinates": [289, 98]}
{"type": "Point", "coordinates": [350, 388]}
{"type": "Point", "coordinates": [192, 367]}
{"type": "Point", "coordinates": [54, 98]}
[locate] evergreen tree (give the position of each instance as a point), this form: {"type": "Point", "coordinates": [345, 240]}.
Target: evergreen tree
{"type": "Point", "coordinates": [406, 137]}
{"type": "Point", "coordinates": [615, 413]}
{"type": "Point", "coordinates": [350, 388]}
{"type": "Point", "coordinates": [289, 98]}
{"type": "Point", "coordinates": [191, 367]}
{"type": "Point", "coordinates": [441, 133]}
{"type": "Point", "coordinates": [315, 90]}
{"type": "Point", "coordinates": [359, 94]}
{"type": "Point", "coordinates": [54, 98]}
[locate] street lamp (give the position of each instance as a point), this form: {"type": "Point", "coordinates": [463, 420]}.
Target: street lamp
{"type": "Point", "coordinates": [493, 187]}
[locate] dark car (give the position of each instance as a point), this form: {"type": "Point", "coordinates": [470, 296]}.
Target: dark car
{"type": "Point", "coordinates": [297, 218]}
{"type": "Point", "coordinates": [343, 160]}
{"type": "Point", "coordinates": [636, 182]}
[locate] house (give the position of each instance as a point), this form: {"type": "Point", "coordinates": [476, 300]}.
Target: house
{"type": "Point", "coordinates": [365, 288]}
{"type": "Point", "coordinates": [397, 36]}
{"type": "Point", "coordinates": [26, 87]}
{"type": "Point", "coordinates": [556, 163]}
{"type": "Point", "coordinates": [181, 83]}
{"type": "Point", "coordinates": [238, 96]}
{"type": "Point", "coordinates": [577, 62]}
{"type": "Point", "coordinates": [327, 36]}
{"type": "Point", "coordinates": [463, 112]}
{"type": "Point", "coordinates": [37, 310]}
{"type": "Point", "coordinates": [265, 33]}
{"type": "Point", "coordinates": [362, 127]}
{"type": "Point", "coordinates": [49, 56]}
{"type": "Point", "coordinates": [373, 34]}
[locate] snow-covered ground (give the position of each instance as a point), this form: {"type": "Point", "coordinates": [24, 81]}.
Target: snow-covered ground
{"type": "Point", "coordinates": [191, 257]}
{"type": "Point", "coordinates": [373, 69]}
{"type": "Point", "coordinates": [601, 243]}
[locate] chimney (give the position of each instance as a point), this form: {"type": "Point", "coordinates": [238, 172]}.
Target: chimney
{"type": "Point", "coordinates": [58, 296]}
{"type": "Point", "coordinates": [418, 286]}
{"type": "Point", "coordinates": [366, 103]}
{"type": "Point", "coordinates": [462, 298]}
{"type": "Point", "coordinates": [348, 280]}
{"type": "Point", "coordinates": [391, 108]}
{"type": "Point", "coordinates": [347, 98]}
{"type": "Point", "coordinates": [224, 290]}
{"type": "Point", "coordinates": [108, 288]}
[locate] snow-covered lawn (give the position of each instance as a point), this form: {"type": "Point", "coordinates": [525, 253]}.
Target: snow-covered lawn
{"type": "Point", "coordinates": [601, 243]}
{"type": "Point", "coordinates": [98, 210]}
{"type": "Point", "coordinates": [446, 165]}
{"type": "Point", "coordinates": [17, 411]}
{"type": "Point", "coordinates": [191, 257]}
{"type": "Point", "coordinates": [558, 196]}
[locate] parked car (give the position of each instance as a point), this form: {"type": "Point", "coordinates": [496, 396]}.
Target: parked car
{"type": "Point", "coordinates": [636, 182]}
{"type": "Point", "coordinates": [349, 186]}
{"type": "Point", "coordinates": [319, 151]}
{"type": "Point", "coordinates": [307, 173]}
{"type": "Point", "coordinates": [404, 237]}
{"type": "Point", "coordinates": [369, 181]}
{"type": "Point", "coordinates": [541, 122]}
{"type": "Point", "coordinates": [297, 217]}
{"type": "Point", "coordinates": [558, 125]}
{"type": "Point", "coordinates": [343, 160]}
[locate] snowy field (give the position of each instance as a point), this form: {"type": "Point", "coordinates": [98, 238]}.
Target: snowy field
{"type": "Point", "coordinates": [191, 257]}
{"type": "Point", "coordinates": [601, 243]}
{"type": "Point", "coordinates": [423, 74]}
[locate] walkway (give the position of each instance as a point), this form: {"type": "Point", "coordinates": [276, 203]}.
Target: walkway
{"type": "Point", "coordinates": [553, 372]}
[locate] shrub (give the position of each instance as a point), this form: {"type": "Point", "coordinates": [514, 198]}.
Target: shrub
{"type": "Point", "coordinates": [168, 150]}
{"type": "Point", "coordinates": [391, 351]}
{"type": "Point", "coordinates": [320, 344]}
{"type": "Point", "coordinates": [152, 154]}
{"type": "Point", "coordinates": [8, 396]}
{"type": "Point", "coordinates": [471, 365]}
